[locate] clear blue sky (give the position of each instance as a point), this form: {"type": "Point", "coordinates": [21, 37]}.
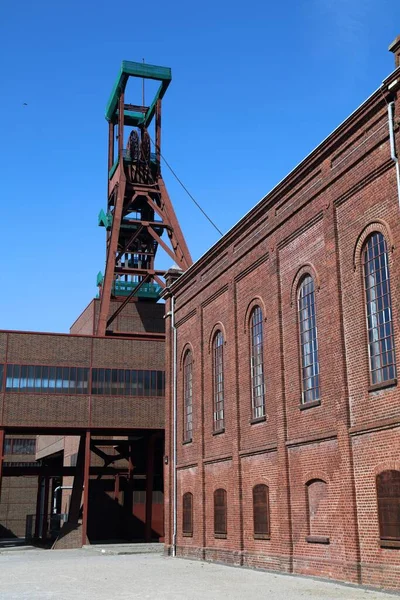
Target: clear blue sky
{"type": "Point", "coordinates": [256, 86]}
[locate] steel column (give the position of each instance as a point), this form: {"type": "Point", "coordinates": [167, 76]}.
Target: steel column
{"type": "Point", "coordinates": [86, 489]}
{"type": "Point", "coordinates": [2, 438]}
{"type": "Point", "coordinates": [149, 487]}
{"type": "Point", "coordinates": [76, 495]}
{"type": "Point", "coordinates": [116, 488]}
{"type": "Point", "coordinates": [38, 507]}
{"type": "Point", "coordinates": [45, 514]}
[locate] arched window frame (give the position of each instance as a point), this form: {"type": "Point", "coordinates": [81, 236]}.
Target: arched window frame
{"type": "Point", "coordinates": [378, 310]}
{"type": "Point", "coordinates": [218, 381]}
{"type": "Point", "coordinates": [261, 516]}
{"type": "Point", "coordinates": [308, 342]}
{"type": "Point", "coordinates": [188, 396]}
{"type": "Point", "coordinates": [257, 379]}
{"type": "Point", "coordinates": [187, 514]}
{"type": "Point", "coordinates": [220, 513]}
{"type": "Point", "coordinates": [388, 501]}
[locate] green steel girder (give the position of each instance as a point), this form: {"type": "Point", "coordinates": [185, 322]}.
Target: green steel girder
{"type": "Point", "coordinates": [144, 71]}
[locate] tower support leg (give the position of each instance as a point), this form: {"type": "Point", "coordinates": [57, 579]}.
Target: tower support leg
{"type": "Point", "coordinates": [149, 487]}
{"type": "Point", "coordinates": [38, 507]}
{"type": "Point", "coordinates": [76, 494]}
{"type": "Point", "coordinates": [2, 438]}
{"type": "Point", "coordinates": [45, 514]}
{"type": "Point", "coordinates": [86, 488]}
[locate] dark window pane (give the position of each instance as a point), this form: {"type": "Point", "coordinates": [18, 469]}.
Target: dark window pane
{"type": "Point", "coordinates": [127, 383]}
{"type": "Point", "coordinates": [220, 512]}
{"type": "Point", "coordinates": [45, 379]}
{"type": "Point", "coordinates": [95, 388]}
{"type": "Point", "coordinates": [31, 379]}
{"type": "Point", "coordinates": [107, 382]}
{"type": "Point", "coordinates": [147, 383]}
{"type": "Point", "coordinates": [9, 380]}
{"type": "Point", "coordinates": [187, 521]}
{"type": "Point", "coordinates": [261, 510]}
{"type": "Point", "coordinates": [140, 384]}
{"type": "Point", "coordinates": [59, 380]}
{"type": "Point", "coordinates": [38, 379]}
{"type": "Point", "coordinates": [52, 379]}
{"type": "Point", "coordinates": [388, 492]}
{"type": "Point", "coordinates": [72, 380]}
{"type": "Point", "coordinates": [160, 383]}
{"type": "Point", "coordinates": [153, 385]}
{"type": "Point", "coordinates": [65, 379]}
{"type": "Point", "coordinates": [23, 378]}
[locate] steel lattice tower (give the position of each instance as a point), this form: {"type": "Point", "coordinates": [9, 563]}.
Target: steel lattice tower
{"type": "Point", "coordinates": [140, 215]}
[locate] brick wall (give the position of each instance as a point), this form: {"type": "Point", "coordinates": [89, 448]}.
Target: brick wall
{"type": "Point", "coordinates": [49, 411]}
{"type": "Point", "coordinates": [320, 460]}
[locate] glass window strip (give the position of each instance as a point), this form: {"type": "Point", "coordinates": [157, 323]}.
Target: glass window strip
{"type": "Point", "coordinates": [218, 381]}
{"type": "Point", "coordinates": [308, 341]}
{"type": "Point", "coordinates": [45, 379]}
{"type": "Point", "coordinates": [382, 360]}
{"type": "Point", "coordinates": [188, 396]}
{"type": "Point", "coordinates": [257, 364]}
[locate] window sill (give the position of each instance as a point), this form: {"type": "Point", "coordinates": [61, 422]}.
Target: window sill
{"type": "Point", "coordinates": [383, 385]}
{"type": "Point", "coordinates": [219, 431]}
{"type": "Point", "coordinates": [258, 420]}
{"type": "Point", "coordinates": [220, 536]}
{"type": "Point", "coordinates": [389, 543]}
{"type": "Point", "coordinates": [317, 539]}
{"type": "Point", "coordinates": [310, 404]}
{"type": "Point", "coordinates": [187, 534]}
{"type": "Point", "coordinates": [262, 536]}
{"type": "Point", "coordinates": [185, 442]}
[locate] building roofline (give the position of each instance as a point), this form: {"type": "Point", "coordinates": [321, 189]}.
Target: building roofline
{"type": "Point", "coordinates": [305, 163]}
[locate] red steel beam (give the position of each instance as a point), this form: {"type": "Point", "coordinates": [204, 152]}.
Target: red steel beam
{"type": "Point", "coordinates": [173, 221]}
{"type": "Point", "coordinates": [86, 488]}
{"type": "Point", "coordinates": [127, 299]}
{"type": "Point", "coordinates": [113, 243]}
{"type": "Point", "coordinates": [149, 487]}
{"type": "Point", "coordinates": [162, 243]}
{"type": "Point", "coordinates": [2, 437]}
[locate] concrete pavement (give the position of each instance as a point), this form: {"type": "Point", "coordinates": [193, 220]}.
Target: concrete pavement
{"type": "Point", "coordinates": [92, 575]}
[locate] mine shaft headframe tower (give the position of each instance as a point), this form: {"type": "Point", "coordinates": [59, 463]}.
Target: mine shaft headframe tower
{"type": "Point", "coordinates": [139, 209]}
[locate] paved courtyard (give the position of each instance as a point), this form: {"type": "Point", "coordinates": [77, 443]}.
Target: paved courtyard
{"type": "Point", "coordinates": [91, 575]}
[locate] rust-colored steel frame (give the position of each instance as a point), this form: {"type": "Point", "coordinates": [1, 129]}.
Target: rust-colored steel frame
{"type": "Point", "coordinates": [122, 196]}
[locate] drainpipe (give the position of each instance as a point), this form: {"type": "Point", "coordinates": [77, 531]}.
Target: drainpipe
{"type": "Point", "coordinates": [393, 145]}
{"type": "Point", "coordinates": [174, 428]}
{"type": "Point", "coordinates": [59, 487]}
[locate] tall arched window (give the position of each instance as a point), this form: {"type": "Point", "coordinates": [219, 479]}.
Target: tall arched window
{"type": "Point", "coordinates": [257, 364]}
{"type": "Point", "coordinates": [388, 492]}
{"type": "Point", "coordinates": [261, 511]}
{"type": "Point", "coordinates": [308, 340]}
{"type": "Point", "coordinates": [187, 521]}
{"type": "Point", "coordinates": [220, 516]}
{"type": "Point", "coordinates": [188, 396]}
{"type": "Point", "coordinates": [218, 380]}
{"type": "Point", "coordinates": [382, 362]}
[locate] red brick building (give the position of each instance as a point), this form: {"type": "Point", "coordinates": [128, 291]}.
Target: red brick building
{"type": "Point", "coordinates": [286, 358]}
